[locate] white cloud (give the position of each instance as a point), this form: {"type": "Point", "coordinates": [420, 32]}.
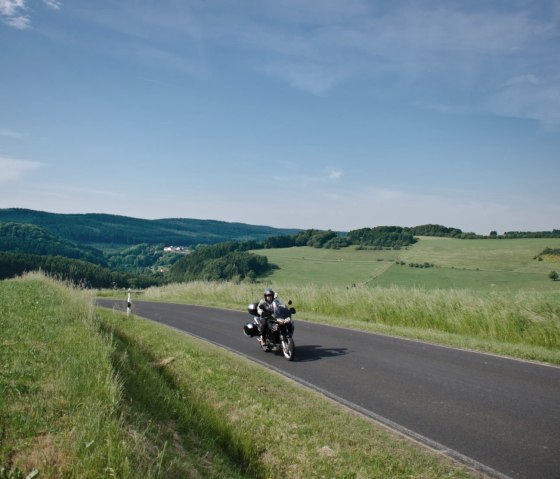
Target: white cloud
{"type": "Point", "coordinates": [54, 4]}
{"type": "Point", "coordinates": [333, 173]}
{"type": "Point", "coordinates": [11, 7]}
{"type": "Point", "coordinates": [11, 170]}
{"type": "Point", "coordinates": [14, 12]}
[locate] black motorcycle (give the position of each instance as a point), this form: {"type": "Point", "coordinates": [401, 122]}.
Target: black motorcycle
{"type": "Point", "coordinates": [280, 331]}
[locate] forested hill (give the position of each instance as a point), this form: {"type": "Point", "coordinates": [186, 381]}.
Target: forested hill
{"type": "Point", "coordinates": [32, 239]}
{"type": "Point", "coordinates": [92, 228]}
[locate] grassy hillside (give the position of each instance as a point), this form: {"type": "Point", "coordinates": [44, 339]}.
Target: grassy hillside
{"type": "Point", "coordinates": [480, 264]}
{"type": "Point", "coordinates": [91, 394]}
{"type": "Point", "coordinates": [517, 255]}
{"type": "Point", "coordinates": [306, 265]}
{"type": "Point", "coordinates": [105, 230]}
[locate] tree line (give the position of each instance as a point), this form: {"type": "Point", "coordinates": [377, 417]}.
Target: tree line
{"type": "Point", "coordinates": [221, 262]}
{"type": "Point", "coordinates": [75, 271]}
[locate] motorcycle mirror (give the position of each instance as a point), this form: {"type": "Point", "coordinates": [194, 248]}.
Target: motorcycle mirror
{"type": "Point", "coordinates": [289, 301]}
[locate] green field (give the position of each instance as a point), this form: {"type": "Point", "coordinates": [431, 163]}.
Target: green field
{"type": "Point", "coordinates": [460, 264]}
{"type": "Point", "coordinates": [317, 266]}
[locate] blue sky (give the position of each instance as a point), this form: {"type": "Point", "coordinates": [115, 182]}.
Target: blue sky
{"type": "Point", "coordinates": [291, 113]}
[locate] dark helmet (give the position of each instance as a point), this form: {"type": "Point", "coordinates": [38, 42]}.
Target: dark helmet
{"type": "Point", "coordinates": [269, 292]}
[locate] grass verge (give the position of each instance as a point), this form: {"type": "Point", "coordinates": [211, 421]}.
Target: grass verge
{"type": "Point", "coordinates": [64, 412]}
{"type": "Point", "coordinates": [59, 394]}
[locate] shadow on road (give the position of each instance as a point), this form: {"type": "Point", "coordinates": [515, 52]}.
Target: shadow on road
{"type": "Point", "coordinates": [315, 352]}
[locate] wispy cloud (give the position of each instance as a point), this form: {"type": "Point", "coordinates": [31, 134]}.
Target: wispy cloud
{"type": "Point", "coordinates": [530, 98]}
{"type": "Point", "coordinates": [10, 133]}
{"type": "Point", "coordinates": [13, 13]}
{"type": "Point", "coordinates": [455, 56]}
{"type": "Point", "coordinates": [439, 53]}
{"type": "Point", "coordinates": [11, 170]}
{"type": "Point", "coordinates": [16, 12]}
{"type": "Point", "coordinates": [374, 206]}
{"type": "Point", "coordinates": [54, 4]}
{"type": "Point", "coordinates": [155, 34]}
{"type": "Point", "coordinates": [333, 173]}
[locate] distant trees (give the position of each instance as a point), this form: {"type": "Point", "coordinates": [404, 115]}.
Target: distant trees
{"type": "Point", "coordinates": [141, 258]}
{"type": "Point", "coordinates": [72, 270]}
{"type": "Point", "coordinates": [312, 237]}
{"type": "Point", "coordinates": [553, 275]}
{"type": "Point", "coordinates": [221, 262]}
{"type": "Point", "coordinates": [31, 239]}
{"type": "Point", "coordinates": [532, 234]}
{"type": "Point", "coordinates": [378, 237]}
{"type": "Point", "coordinates": [382, 236]}
{"type": "Point", "coordinates": [436, 230]}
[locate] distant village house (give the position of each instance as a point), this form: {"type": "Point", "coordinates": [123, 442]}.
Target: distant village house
{"type": "Point", "coordinates": [176, 249]}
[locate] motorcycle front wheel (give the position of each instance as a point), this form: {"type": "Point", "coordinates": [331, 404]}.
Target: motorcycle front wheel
{"type": "Point", "coordinates": [288, 348]}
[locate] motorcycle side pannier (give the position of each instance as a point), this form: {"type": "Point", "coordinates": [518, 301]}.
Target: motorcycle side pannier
{"type": "Point", "coordinates": [250, 329]}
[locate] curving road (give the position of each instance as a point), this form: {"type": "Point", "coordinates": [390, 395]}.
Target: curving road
{"type": "Point", "coordinates": [498, 415]}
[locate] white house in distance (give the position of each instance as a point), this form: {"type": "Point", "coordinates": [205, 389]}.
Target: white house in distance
{"type": "Point", "coordinates": [176, 249]}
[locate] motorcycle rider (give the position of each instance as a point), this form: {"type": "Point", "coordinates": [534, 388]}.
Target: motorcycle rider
{"type": "Point", "coordinates": [267, 305]}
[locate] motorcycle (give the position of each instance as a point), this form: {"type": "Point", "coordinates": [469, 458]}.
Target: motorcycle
{"type": "Point", "coordinates": [279, 335]}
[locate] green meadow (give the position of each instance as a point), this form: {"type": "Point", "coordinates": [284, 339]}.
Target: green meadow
{"type": "Point", "coordinates": [318, 266]}
{"type": "Point", "coordinates": [484, 265]}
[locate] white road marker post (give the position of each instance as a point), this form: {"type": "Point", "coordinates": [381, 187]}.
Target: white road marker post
{"type": "Point", "coordinates": [128, 305]}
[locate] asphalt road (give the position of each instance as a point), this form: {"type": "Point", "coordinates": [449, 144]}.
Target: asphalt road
{"type": "Point", "coordinates": [499, 415]}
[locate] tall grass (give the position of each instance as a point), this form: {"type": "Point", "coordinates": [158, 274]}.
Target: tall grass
{"type": "Point", "coordinates": [64, 411]}
{"type": "Point", "coordinates": [59, 395]}
{"type": "Point", "coordinates": [527, 321]}
{"type": "Point", "coordinates": [527, 318]}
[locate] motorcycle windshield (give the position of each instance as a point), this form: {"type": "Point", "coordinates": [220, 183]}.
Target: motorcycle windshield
{"type": "Point", "coordinates": [282, 312]}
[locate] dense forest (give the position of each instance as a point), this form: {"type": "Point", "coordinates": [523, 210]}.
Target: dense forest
{"type": "Point", "coordinates": [225, 261]}
{"type": "Point", "coordinates": [107, 229]}
{"type": "Point", "coordinates": [382, 236]}
{"type": "Point", "coordinates": [31, 239]}
{"type": "Point", "coordinates": [75, 271]}
{"type": "Point", "coordinates": [439, 231]}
